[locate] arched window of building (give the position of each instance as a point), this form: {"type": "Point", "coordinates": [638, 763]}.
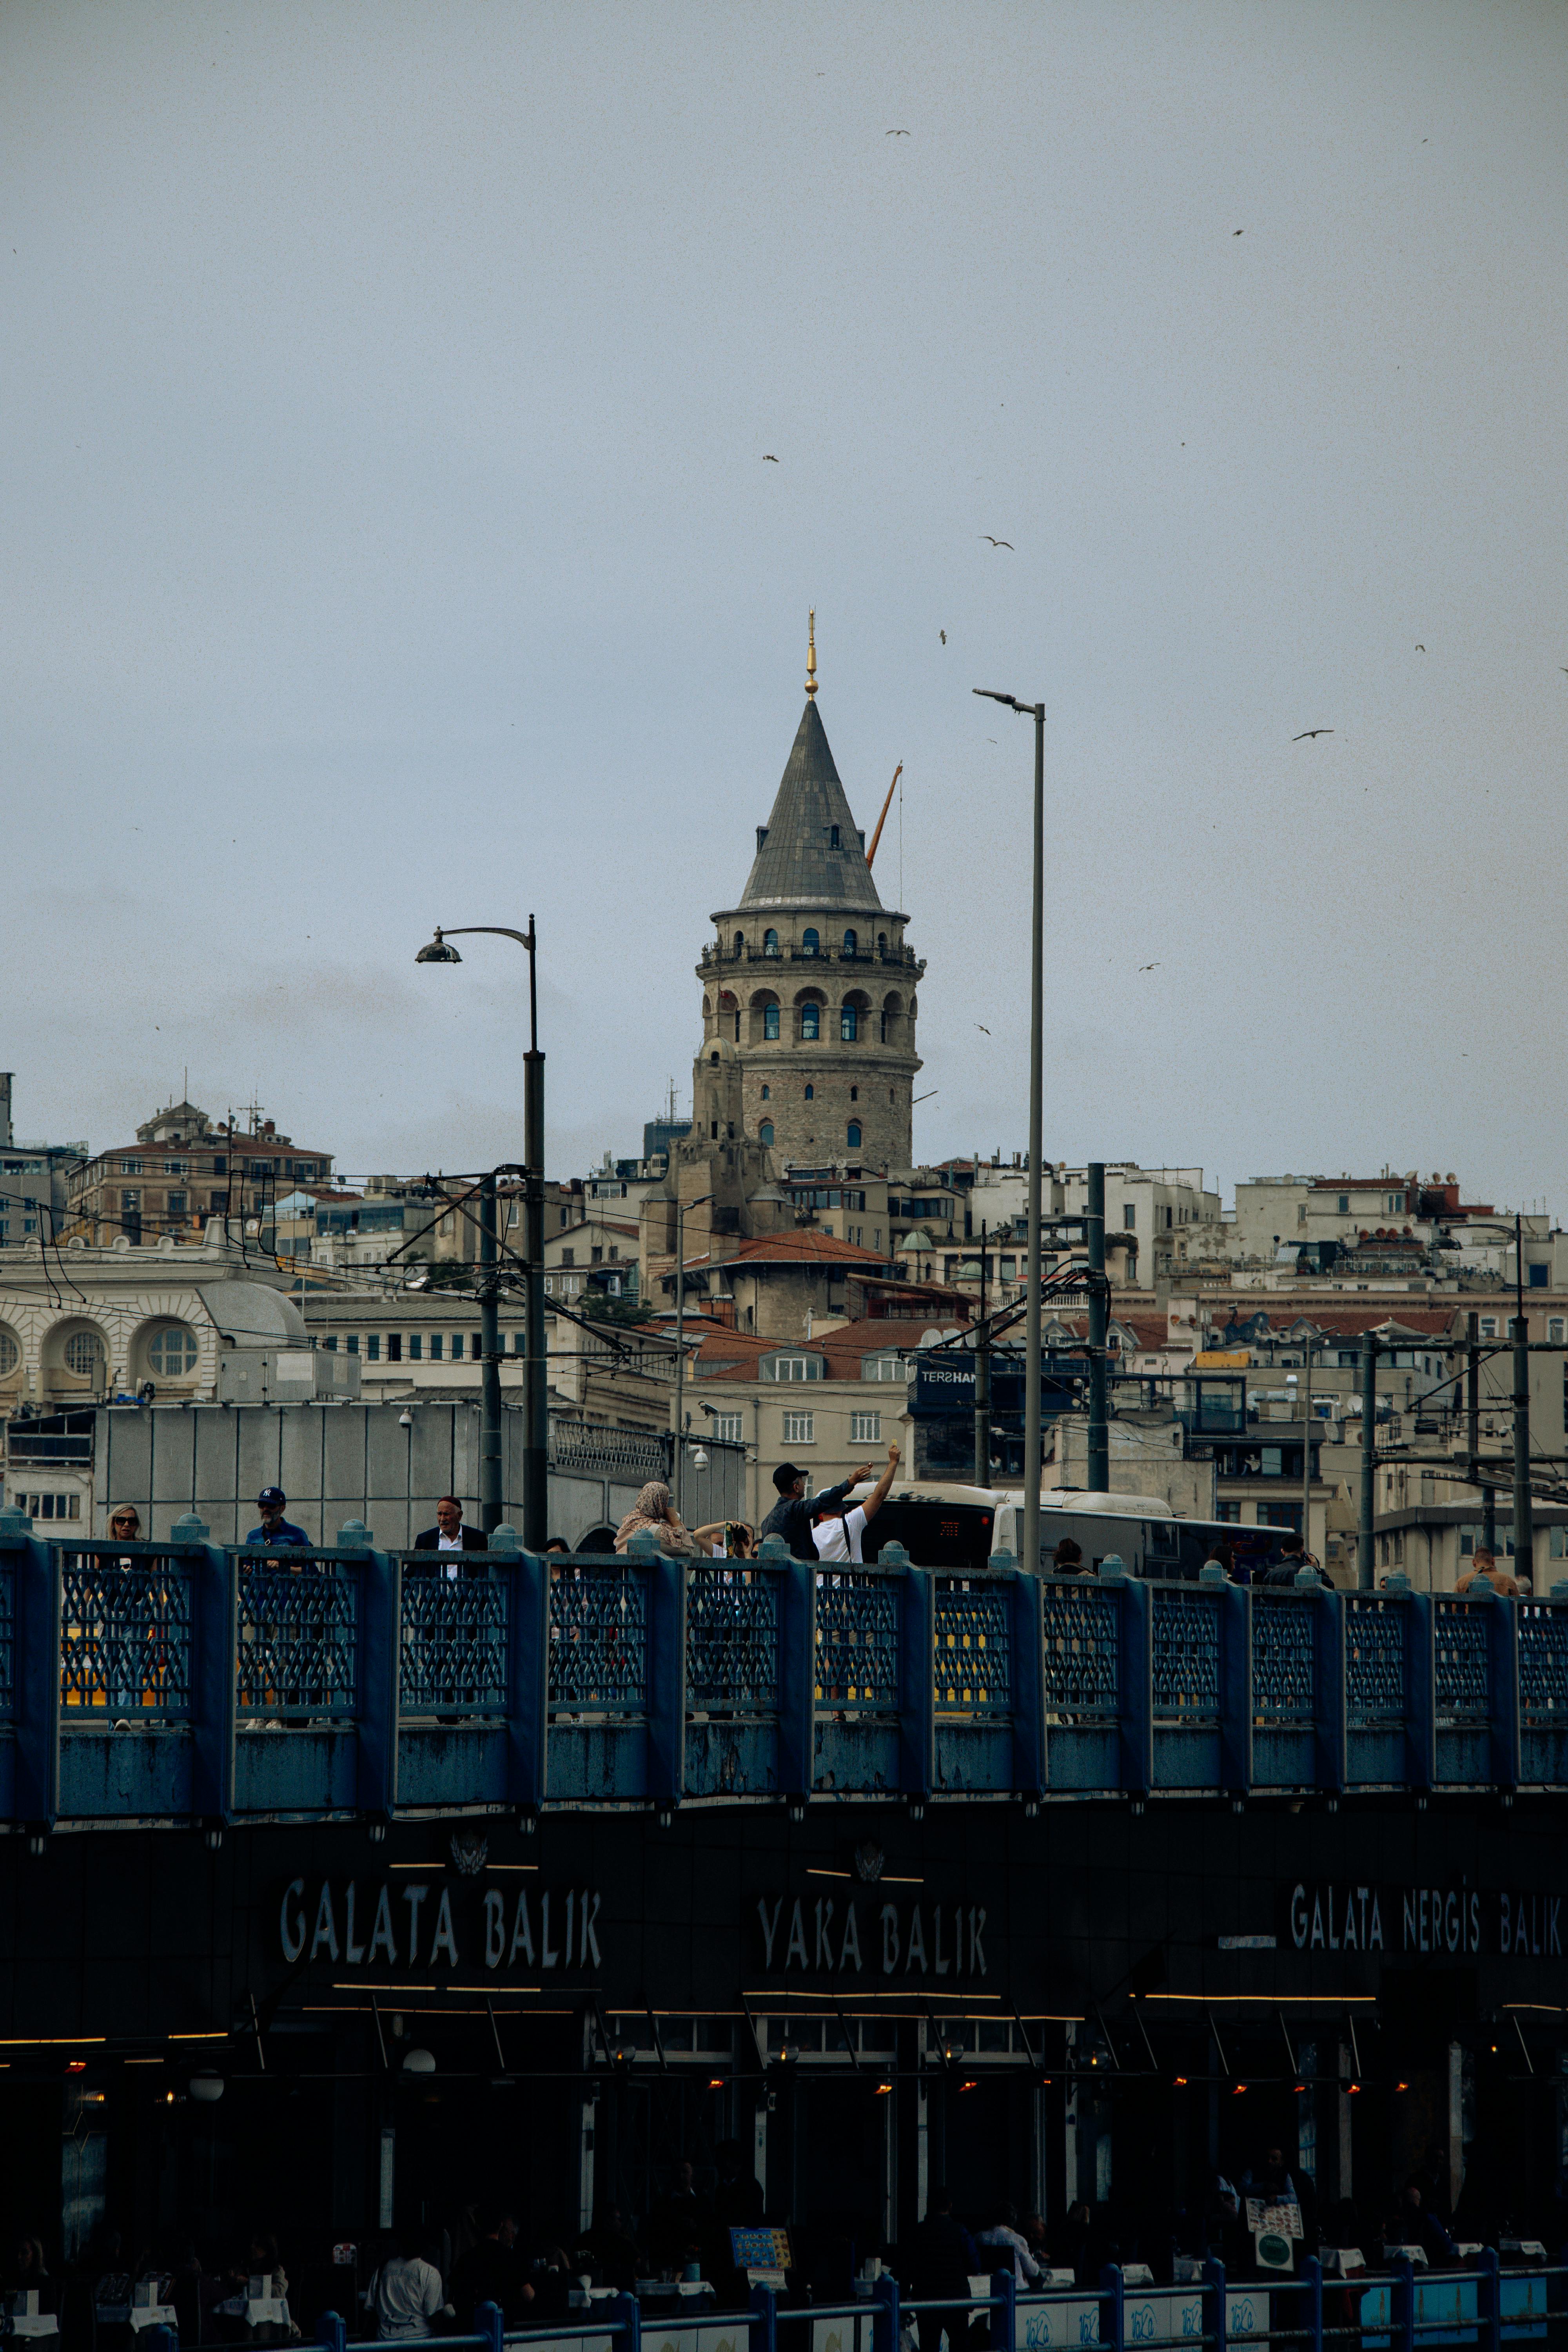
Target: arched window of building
{"type": "Point", "coordinates": [848, 1023]}
{"type": "Point", "coordinates": [811, 1094]}
{"type": "Point", "coordinates": [881, 943]}
{"type": "Point", "coordinates": [740, 941]}
{"type": "Point", "coordinates": [853, 1138]}
{"type": "Point", "coordinates": [770, 1022]}
{"type": "Point", "coordinates": [767, 1093]}
{"type": "Point", "coordinates": [809, 942]}
{"type": "Point", "coordinates": [810, 1020]}
{"type": "Point", "coordinates": [770, 943]}
{"type": "Point", "coordinates": [854, 1093]}
{"type": "Point", "coordinates": [765, 1132]}
{"type": "Point", "coordinates": [851, 943]}
{"type": "Point", "coordinates": [172, 1351]}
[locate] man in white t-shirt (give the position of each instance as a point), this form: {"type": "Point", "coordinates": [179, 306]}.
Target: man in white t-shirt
{"type": "Point", "coordinates": [838, 1534]}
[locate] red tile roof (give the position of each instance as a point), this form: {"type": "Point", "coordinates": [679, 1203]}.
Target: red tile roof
{"type": "Point", "coordinates": [803, 1248]}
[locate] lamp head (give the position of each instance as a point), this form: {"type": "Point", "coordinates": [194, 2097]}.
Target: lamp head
{"type": "Point", "coordinates": [439, 950]}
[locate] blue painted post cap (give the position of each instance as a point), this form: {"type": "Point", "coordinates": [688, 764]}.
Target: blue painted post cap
{"type": "Point", "coordinates": [642, 1547]}
{"type": "Point", "coordinates": [1398, 1582]}
{"type": "Point", "coordinates": [14, 1522]}
{"type": "Point", "coordinates": [505, 1538]}
{"type": "Point", "coordinates": [1559, 1591]}
{"type": "Point", "coordinates": [893, 1555]}
{"type": "Point", "coordinates": [773, 1547]}
{"type": "Point", "coordinates": [1114, 1567]}
{"type": "Point", "coordinates": [355, 1536]}
{"type": "Point", "coordinates": [1003, 1559]}
{"type": "Point", "coordinates": [1211, 1572]}
{"type": "Point", "coordinates": [189, 1529]}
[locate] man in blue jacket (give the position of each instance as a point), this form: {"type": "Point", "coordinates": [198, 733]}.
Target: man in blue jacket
{"type": "Point", "coordinates": [792, 1515]}
{"type": "Point", "coordinates": [275, 1530]}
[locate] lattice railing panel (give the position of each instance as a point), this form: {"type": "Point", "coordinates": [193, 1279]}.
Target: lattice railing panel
{"type": "Point", "coordinates": [974, 1644]}
{"type": "Point", "coordinates": [1542, 1661]}
{"type": "Point", "coordinates": [1284, 1680]}
{"type": "Point", "coordinates": [452, 1648]}
{"type": "Point", "coordinates": [598, 1638]}
{"type": "Point", "coordinates": [1186, 1639]}
{"type": "Point", "coordinates": [1459, 1659]}
{"type": "Point", "coordinates": [732, 1640]}
{"type": "Point", "coordinates": [1374, 1660]}
{"type": "Point", "coordinates": [298, 1639]}
{"type": "Point", "coordinates": [1082, 1651]}
{"type": "Point", "coordinates": [857, 1638]}
{"type": "Point", "coordinates": [125, 1636]}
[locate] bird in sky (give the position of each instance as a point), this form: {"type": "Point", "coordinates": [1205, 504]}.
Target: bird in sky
{"type": "Point", "coordinates": [768, 457]}
{"type": "Point", "coordinates": [942, 635]}
{"type": "Point", "coordinates": [1307, 734]}
{"type": "Point", "coordinates": [1420, 649]}
{"type": "Point", "coordinates": [982, 1029]}
{"type": "Point", "coordinates": [896, 134]}
{"type": "Point", "coordinates": [1148, 967]}
{"type": "Point", "coordinates": [999, 543]}
{"type": "Point", "coordinates": [1238, 232]}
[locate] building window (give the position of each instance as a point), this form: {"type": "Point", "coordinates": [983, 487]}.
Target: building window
{"type": "Point", "coordinates": [1537, 1276]}
{"type": "Point", "coordinates": [395, 1347]}
{"type": "Point", "coordinates": [416, 1346]}
{"type": "Point", "coordinates": [848, 1024]}
{"type": "Point", "coordinates": [770, 943]}
{"type": "Point", "coordinates": [810, 1022]}
{"type": "Point", "coordinates": [84, 1354]}
{"type": "Point", "coordinates": [1229, 1513]}
{"type": "Point", "coordinates": [771, 1023]}
{"type": "Point", "coordinates": [10, 1354]}
{"type": "Point", "coordinates": [1488, 1327]}
{"type": "Point", "coordinates": [1554, 1328]}
{"type": "Point", "coordinates": [456, 1347]}
{"type": "Point", "coordinates": [436, 1344]}
{"type": "Point", "coordinates": [766, 1134]}
{"type": "Point", "coordinates": [811, 1094]}
{"type": "Point", "coordinates": [1130, 1214]}
{"type": "Point", "coordinates": [351, 1343]}
{"type": "Point", "coordinates": [171, 1352]}
{"type": "Point", "coordinates": [865, 1429]}
{"type": "Point", "coordinates": [851, 944]}
{"type": "Point", "coordinates": [740, 942]}
{"type": "Point", "coordinates": [852, 1135]}
{"type": "Point", "coordinates": [217, 1203]}
{"type": "Point", "coordinates": [854, 1096]}
{"type": "Point", "coordinates": [833, 836]}
{"type": "Point", "coordinates": [176, 1167]}
{"type": "Point", "coordinates": [331, 1343]}
{"type": "Point", "coordinates": [131, 1168]}
{"type": "Point", "coordinates": [767, 1093]}
{"type": "Point", "coordinates": [800, 1428]}
{"type": "Point", "coordinates": [372, 1347]}
{"type": "Point", "coordinates": [791, 1367]}
{"type": "Point", "coordinates": [130, 1198]}
{"type": "Point", "coordinates": [809, 942]}
{"type": "Point", "coordinates": [176, 1204]}
{"type": "Point", "coordinates": [520, 1343]}
{"type": "Point", "coordinates": [730, 1428]}
{"type": "Point", "coordinates": [568, 1257]}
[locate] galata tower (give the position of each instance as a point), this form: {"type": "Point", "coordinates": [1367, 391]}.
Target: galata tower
{"type": "Point", "coordinates": [809, 989]}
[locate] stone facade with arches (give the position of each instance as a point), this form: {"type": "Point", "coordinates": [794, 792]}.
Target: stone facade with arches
{"type": "Point", "coordinates": [87, 1325]}
{"type": "Point", "coordinates": [809, 989]}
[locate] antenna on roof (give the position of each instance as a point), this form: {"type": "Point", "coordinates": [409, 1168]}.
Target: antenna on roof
{"type": "Point", "coordinates": [811, 652]}
{"type": "Point", "coordinates": [882, 820]}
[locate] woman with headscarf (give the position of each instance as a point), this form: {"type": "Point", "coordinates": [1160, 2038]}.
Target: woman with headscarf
{"type": "Point", "coordinates": [654, 1514]}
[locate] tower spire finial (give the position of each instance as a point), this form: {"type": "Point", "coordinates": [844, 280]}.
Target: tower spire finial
{"type": "Point", "coordinates": [811, 652]}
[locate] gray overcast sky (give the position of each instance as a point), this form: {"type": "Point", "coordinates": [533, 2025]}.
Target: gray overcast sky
{"type": "Point", "coordinates": [387, 539]}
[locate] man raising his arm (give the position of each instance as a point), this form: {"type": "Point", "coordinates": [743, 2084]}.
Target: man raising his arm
{"type": "Point", "coordinates": [838, 1534]}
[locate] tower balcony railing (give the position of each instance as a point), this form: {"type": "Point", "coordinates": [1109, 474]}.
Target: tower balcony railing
{"type": "Point", "coordinates": [903, 959]}
{"type": "Point", "coordinates": [183, 1681]}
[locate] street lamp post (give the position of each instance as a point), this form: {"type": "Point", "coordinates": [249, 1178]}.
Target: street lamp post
{"type": "Point", "coordinates": [680, 1208]}
{"type": "Point", "coordinates": [1031, 1550]}
{"type": "Point", "coordinates": [535, 1390]}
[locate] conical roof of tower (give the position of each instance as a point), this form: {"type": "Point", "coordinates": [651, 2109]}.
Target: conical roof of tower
{"type": "Point", "coordinates": [797, 863]}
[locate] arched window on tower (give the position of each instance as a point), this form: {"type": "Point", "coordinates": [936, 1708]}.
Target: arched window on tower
{"type": "Point", "coordinates": [810, 1020]}
{"type": "Point", "coordinates": [770, 1022]}
{"type": "Point", "coordinates": [740, 941]}
{"type": "Point", "coordinates": [811, 1094]}
{"type": "Point", "coordinates": [766, 1133]}
{"type": "Point", "coordinates": [770, 943]}
{"type": "Point", "coordinates": [809, 942]}
{"type": "Point", "coordinates": [851, 943]}
{"type": "Point", "coordinates": [853, 1137]}
{"type": "Point", "coordinates": [848, 1024]}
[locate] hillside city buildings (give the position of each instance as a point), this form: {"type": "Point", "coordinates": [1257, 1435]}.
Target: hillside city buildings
{"type": "Point", "coordinates": [812, 1266]}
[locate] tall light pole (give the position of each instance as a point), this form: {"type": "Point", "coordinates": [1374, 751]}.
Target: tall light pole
{"type": "Point", "coordinates": [680, 1208]}
{"type": "Point", "coordinates": [1031, 1551]}
{"type": "Point", "coordinates": [535, 1385]}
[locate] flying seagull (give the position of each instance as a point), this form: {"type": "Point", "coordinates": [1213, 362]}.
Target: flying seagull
{"type": "Point", "coordinates": [1237, 232]}
{"type": "Point", "coordinates": [896, 134]}
{"type": "Point", "coordinates": [1420, 649]}
{"type": "Point", "coordinates": [768, 457]}
{"type": "Point", "coordinates": [942, 635]}
{"type": "Point", "coordinates": [1148, 967]}
{"type": "Point", "coordinates": [1309, 733]}
{"type": "Point", "coordinates": [982, 1029]}
{"type": "Point", "coordinates": [999, 543]}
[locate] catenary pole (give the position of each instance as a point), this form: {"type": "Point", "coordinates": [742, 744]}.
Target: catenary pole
{"type": "Point", "coordinates": [1366, 1576]}
{"type": "Point", "coordinates": [1098, 1472]}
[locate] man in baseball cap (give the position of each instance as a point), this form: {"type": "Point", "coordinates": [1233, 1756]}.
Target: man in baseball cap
{"type": "Point", "coordinates": [792, 1515]}
{"type": "Point", "coordinates": [274, 1529]}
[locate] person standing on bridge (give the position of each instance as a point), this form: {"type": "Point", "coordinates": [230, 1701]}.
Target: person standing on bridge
{"type": "Point", "coordinates": [839, 1534]}
{"type": "Point", "coordinates": [792, 1516]}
